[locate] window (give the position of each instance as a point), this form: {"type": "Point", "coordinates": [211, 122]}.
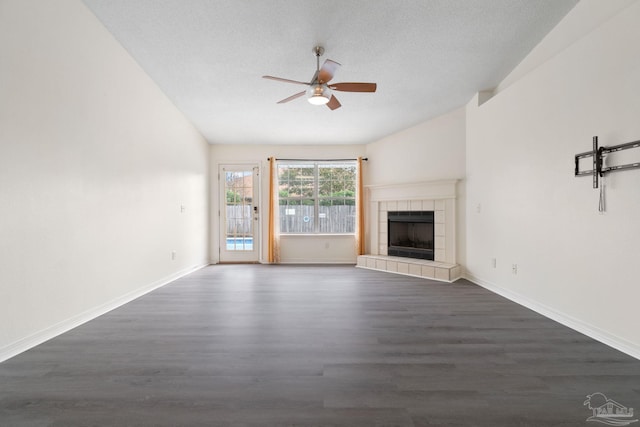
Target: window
{"type": "Point", "coordinates": [317, 197]}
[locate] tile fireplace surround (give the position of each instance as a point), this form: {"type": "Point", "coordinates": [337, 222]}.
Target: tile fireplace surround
{"type": "Point", "coordinates": [437, 196]}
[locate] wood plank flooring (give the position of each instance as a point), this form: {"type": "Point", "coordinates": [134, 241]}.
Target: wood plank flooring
{"type": "Point", "coordinates": [254, 345]}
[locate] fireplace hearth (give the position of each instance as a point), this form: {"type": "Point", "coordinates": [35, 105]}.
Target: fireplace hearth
{"type": "Point", "coordinates": [410, 234]}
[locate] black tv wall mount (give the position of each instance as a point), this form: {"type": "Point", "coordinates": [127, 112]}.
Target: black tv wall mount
{"type": "Point", "coordinates": [598, 154]}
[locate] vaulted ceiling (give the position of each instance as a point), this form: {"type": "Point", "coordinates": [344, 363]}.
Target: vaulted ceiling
{"type": "Point", "coordinates": [428, 57]}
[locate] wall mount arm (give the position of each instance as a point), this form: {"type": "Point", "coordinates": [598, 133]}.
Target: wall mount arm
{"type": "Point", "coordinates": [598, 153]}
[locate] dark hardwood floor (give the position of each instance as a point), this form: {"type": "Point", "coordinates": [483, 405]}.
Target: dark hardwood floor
{"type": "Point", "coordinates": [252, 345]}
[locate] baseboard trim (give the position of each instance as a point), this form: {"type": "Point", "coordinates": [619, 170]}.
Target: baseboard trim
{"type": "Point", "coordinates": [44, 335]}
{"type": "Point", "coordinates": [587, 329]}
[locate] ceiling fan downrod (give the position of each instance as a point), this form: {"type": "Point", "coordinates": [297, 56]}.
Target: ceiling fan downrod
{"type": "Point", "coordinates": [318, 51]}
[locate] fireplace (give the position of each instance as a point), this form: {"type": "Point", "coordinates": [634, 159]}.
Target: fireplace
{"type": "Point", "coordinates": [410, 234]}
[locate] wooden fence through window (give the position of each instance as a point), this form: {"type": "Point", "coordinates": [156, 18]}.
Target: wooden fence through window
{"type": "Point", "coordinates": [296, 219]}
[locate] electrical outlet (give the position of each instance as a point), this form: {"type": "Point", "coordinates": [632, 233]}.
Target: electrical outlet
{"type": "Point", "coordinates": [479, 208]}
{"type": "Point", "coordinates": [514, 268]}
{"type": "Point", "coordinates": [182, 208]}
{"type": "Point", "coordinates": [173, 255]}
{"type": "Point", "coordinates": [493, 262]}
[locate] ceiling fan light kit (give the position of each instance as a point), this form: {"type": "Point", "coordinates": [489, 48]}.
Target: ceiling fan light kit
{"type": "Point", "coordinates": [319, 92]}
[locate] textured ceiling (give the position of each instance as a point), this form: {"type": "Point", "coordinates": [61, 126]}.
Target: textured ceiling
{"type": "Point", "coordinates": [428, 57]}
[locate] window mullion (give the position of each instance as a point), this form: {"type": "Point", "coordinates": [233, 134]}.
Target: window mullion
{"type": "Point", "coordinates": [316, 202]}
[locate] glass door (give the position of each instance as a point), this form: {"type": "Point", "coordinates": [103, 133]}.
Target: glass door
{"type": "Point", "coordinates": [239, 215]}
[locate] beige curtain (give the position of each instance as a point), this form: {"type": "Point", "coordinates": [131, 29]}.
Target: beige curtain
{"type": "Point", "coordinates": [274, 220]}
{"type": "Point", "coordinates": [359, 209]}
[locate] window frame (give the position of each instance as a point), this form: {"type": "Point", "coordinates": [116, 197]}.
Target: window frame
{"type": "Point", "coordinates": [315, 196]}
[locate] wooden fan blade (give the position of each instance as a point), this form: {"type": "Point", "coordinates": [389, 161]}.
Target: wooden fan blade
{"type": "Point", "coordinates": [354, 87]}
{"type": "Point", "coordinates": [279, 79]}
{"type": "Point", "coordinates": [333, 103]}
{"type": "Point", "coordinates": [292, 97]}
{"type": "Point", "coordinates": [327, 71]}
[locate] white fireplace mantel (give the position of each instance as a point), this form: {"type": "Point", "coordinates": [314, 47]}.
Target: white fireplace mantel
{"type": "Point", "coordinates": [429, 190]}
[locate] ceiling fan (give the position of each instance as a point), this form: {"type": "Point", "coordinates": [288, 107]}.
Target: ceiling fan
{"type": "Point", "coordinates": [320, 91]}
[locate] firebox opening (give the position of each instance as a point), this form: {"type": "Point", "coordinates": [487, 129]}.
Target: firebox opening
{"type": "Point", "coordinates": [410, 234]}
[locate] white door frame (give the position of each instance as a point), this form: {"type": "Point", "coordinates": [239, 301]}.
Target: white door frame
{"type": "Point", "coordinates": [244, 247]}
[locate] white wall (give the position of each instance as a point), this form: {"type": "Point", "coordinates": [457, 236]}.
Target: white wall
{"type": "Point", "coordinates": [430, 151]}
{"type": "Point", "coordinates": [294, 249]}
{"type": "Point", "coordinates": [525, 207]}
{"type": "Point", "coordinates": [95, 163]}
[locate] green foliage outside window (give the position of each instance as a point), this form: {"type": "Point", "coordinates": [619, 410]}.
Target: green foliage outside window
{"type": "Point", "coordinates": [234, 198]}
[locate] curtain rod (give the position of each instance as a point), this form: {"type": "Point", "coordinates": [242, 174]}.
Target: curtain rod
{"type": "Point", "coordinates": [320, 160]}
